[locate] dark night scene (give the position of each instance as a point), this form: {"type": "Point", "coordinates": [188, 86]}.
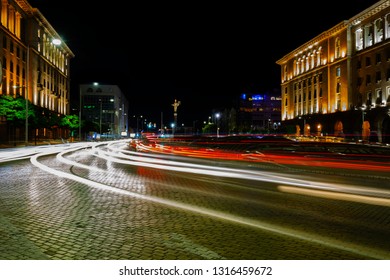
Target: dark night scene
{"type": "Point", "coordinates": [196, 140]}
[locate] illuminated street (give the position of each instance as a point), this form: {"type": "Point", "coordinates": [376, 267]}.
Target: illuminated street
{"type": "Point", "coordinates": [107, 201]}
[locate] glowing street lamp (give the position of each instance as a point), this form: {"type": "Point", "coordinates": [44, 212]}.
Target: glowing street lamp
{"type": "Point", "coordinates": [173, 128]}
{"type": "Point", "coordinates": [217, 116]}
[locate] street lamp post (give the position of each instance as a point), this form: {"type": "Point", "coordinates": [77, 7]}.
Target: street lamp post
{"type": "Point", "coordinates": [26, 136]}
{"type": "Point", "coordinates": [100, 118]}
{"type": "Point", "coordinates": [80, 108]}
{"type": "Point", "coordinates": [217, 115]}
{"type": "Point", "coordinates": [26, 88]}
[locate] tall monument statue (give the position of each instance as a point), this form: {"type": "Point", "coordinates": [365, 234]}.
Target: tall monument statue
{"type": "Point", "coordinates": [175, 105]}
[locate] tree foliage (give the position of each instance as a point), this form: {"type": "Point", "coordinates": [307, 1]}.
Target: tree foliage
{"type": "Point", "coordinates": [14, 109]}
{"type": "Point", "coordinates": [70, 121]}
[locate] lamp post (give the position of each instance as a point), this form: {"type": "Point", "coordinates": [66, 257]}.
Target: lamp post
{"type": "Point", "coordinates": [173, 129]}
{"type": "Point", "coordinates": [137, 118]}
{"type": "Point", "coordinates": [100, 117]}
{"type": "Point", "coordinates": [217, 115]}
{"type": "Point", "coordinates": [80, 108]}
{"type": "Point", "coordinates": [27, 85]}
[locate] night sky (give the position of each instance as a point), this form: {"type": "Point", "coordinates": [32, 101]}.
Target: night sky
{"type": "Point", "coordinates": [202, 54]}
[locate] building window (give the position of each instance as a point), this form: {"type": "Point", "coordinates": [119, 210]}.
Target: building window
{"type": "Point", "coordinates": [368, 61]}
{"type": "Point", "coordinates": [378, 30]}
{"type": "Point", "coordinates": [378, 76]}
{"type": "Point", "coordinates": [313, 63]}
{"type": "Point", "coordinates": [368, 36]}
{"type": "Point", "coordinates": [338, 71]}
{"type": "Point", "coordinates": [295, 67]}
{"type": "Point", "coordinates": [307, 62]}
{"type": "Point", "coordinates": [359, 39]}
{"type": "Point", "coordinates": [388, 94]}
{"type": "Point", "coordinates": [338, 86]}
{"type": "Point", "coordinates": [359, 100]}
{"type": "Point", "coordinates": [338, 102]}
{"type": "Point", "coordinates": [387, 26]}
{"type": "Point", "coordinates": [359, 81]}
{"type": "Point", "coordinates": [378, 58]}
{"type": "Point", "coordinates": [378, 100]}
{"type": "Point", "coordinates": [368, 80]}
{"type": "Point", "coordinates": [319, 52]}
{"type": "Point", "coordinates": [337, 48]}
{"type": "Point", "coordinates": [369, 99]}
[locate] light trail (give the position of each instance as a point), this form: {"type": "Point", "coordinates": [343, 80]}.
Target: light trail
{"type": "Point", "coordinates": [337, 195]}
{"type": "Point", "coordinates": [302, 235]}
{"type": "Point", "coordinates": [237, 173]}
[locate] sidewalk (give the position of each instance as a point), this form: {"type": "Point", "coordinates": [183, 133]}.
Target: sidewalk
{"type": "Point", "coordinates": [34, 143]}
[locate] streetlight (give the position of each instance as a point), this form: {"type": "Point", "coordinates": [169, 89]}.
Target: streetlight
{"type": "Point", "coordinates": [137, 120]}
{"type": "Point", "coordinates": [173, 128]}
{"type": "Point", "coordinates": [217, 115]}
{"type": "Point", "coordinates": [100, 118]}
{"type": "Point", "coordinates": [80, 108]}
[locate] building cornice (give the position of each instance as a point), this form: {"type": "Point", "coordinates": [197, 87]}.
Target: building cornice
{"type": "Point", "coordinates": [367, 13]}
{"type": "Point", "coordinates": [34, 12]}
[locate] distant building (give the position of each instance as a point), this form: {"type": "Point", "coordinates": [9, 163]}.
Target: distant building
{"type": "Point", "coordinates": [339, 82]}
{"type": "Point", "coordinates": [259, 112]}
{"type": "Point", "coordinates": [34, 62]}
{"type": "Point", "coordinates": [104, 111]}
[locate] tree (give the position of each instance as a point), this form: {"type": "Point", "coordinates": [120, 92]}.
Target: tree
{"type": "Point", "coordinates": [72, 122]}
{"type": "Point", "coordinates": [14, 110]}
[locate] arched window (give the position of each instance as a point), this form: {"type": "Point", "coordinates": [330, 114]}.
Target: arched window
{"type": "Point", "coordinates": [368, 40]}
{"type": "Point", "coordinates": [359, 39]}
{"type": "Point", "coordinates": [378, 30]}
{"type": "Point", "coordinates": [387, 26]}
{"type": "Point", "coordinates": [337, 48]}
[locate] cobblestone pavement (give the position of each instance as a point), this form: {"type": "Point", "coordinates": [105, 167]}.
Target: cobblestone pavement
{"type": "Point", "coordinates": [138, 212]}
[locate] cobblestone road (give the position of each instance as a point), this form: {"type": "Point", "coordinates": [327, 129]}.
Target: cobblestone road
{"type": "Point", "coordinates": [138, 212]}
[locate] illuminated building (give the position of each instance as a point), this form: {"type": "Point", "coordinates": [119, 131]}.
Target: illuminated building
{"type": "Point", "coordinates": [106, 107]}
{"type": "Point", "coordinates": [259, 113]}
{"type": "Point", "coordinates": [339, 82]}
{"type": "Point", "coordinates": [33, 65]}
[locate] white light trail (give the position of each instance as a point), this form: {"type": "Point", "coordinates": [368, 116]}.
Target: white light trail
{"type": "Point", "coordinates": [353, 248]}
